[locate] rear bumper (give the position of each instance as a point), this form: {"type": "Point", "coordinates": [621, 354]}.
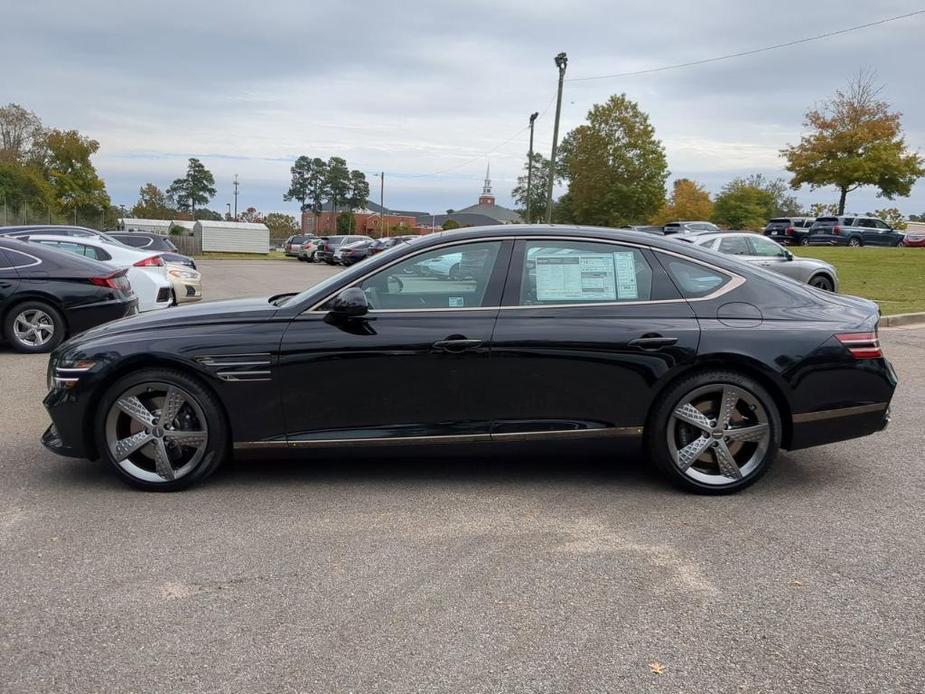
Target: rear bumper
{"type": "Point", "coordinates": [80, 318]}
{"type": "Point", "coordinates": [827, 240]}
{"type": "Point", "coordinates": [829, 426]}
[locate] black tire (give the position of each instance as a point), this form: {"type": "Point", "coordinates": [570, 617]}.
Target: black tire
{"type": "Point", "coordinates": [804, 241]}
{"type": "Point", "coordinates": [217, 443]}
{"type": "Point", "coordinates": [660, 419]}
{"type": "Point", "coordinates": [173, 298]}
{"type": "Point", "coordinates": [855, 242]}
{"type": "Point", "coordinates": [301, 259]}
{"type": "Point", "coordinates": [822, 282]}
{"type": "Point", "coordinates": [58, 326]}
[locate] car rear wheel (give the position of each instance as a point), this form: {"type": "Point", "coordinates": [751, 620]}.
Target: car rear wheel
{"type": "Point", "coordinates": [714, 433]}
{"type": "Point", "coordinates": [33, 327]}
{"type": "Point", "coordinates": [822, 282]}
{"type": "Point", "coordinates": [804, 241]}
{"type": "Point", "coordinates": [855, 242]}
{"type": "Point", "coordinates": [161, 430]}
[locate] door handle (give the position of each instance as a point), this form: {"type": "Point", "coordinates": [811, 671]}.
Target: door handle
{"type": "Point", "coordinates": [653, 342]}
{"type": "Point", "coordinates": [456, 345]}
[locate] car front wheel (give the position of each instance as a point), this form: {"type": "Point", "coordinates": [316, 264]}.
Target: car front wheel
{"type": "Point", "coordinates": [161, 430]}
{"type": "Point", "coordinates": [822, 282]}
{"type": "Point", "coordinates": [714, 433]}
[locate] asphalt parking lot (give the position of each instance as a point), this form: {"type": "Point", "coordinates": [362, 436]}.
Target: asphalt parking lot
{"type": "Point", "coordinates": [484, 574]}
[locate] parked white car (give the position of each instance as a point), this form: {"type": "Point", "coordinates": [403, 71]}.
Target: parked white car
{"type": "Point", "coordinates": [147, 271]}
{"type": "Point", "coordinates": [186, 283]}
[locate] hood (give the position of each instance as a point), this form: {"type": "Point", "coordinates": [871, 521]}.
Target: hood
{"type": "Point", "coordinates": [253, 308]}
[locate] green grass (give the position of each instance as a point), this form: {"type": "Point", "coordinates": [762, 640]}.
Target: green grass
{"type": "Point", "coordinates": [272, 255]}
{"type": "Point", "coordinates": [893, 277]}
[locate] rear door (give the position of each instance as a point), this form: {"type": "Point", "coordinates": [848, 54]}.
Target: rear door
{"type": "Point", "coordinates": [9, 278]}
{"type": "Point", "coordinates": [870, 233]}
{"type": "Point", "coordinates": [585, 329]}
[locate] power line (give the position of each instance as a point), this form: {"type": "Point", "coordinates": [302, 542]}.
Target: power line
{"type": "Point", "coordinates": [817, 37]}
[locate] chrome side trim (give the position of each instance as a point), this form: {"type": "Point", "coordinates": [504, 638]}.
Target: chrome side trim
{"type": "Point", "coordinates": [238, 376]}
{"type": "Point", "coordinates": [609, 432]}
{"type": "Point", "coordinates": [735, 280]}
{"type": "Point", "coordinates": [822, 415]}
{"type": "Point", "coordinates": [615, 432]}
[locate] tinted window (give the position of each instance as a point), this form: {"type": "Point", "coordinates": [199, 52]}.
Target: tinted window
{"type": "Point", "coordinates": [454, 277]}
{"type": "Point", "coordinates": [15, 259]}
{"type": "Point", "coordinates": [4, 263]}
{"type": "Point", "coordinates": [766, 248]}
{"type": "Point", "coordinates": [582, 272]}
{"type": "Point", "coordinates": [134, 241]}
{"type": "Point", "coordinates": [693, 279]}
{"type": "Point", "coordinates": [780, 220]}
{"type": "Point", "coordinates": [735, 245]}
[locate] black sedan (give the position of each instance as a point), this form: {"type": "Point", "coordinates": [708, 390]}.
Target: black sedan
{"type": "Point", "coordinates": [46, 295]}
{"type": "Point", "coordinates": [574, 336]}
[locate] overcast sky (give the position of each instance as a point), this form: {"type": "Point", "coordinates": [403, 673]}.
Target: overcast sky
{"type": "Point", "coordinates": [429, 92]}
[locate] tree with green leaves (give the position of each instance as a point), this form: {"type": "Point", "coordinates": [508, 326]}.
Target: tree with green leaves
{"type": "Point", "coordinates": [538, 186]}
{"type": "Point", "coordinates": [743, 205]}
{"type": "Point", "coordinates": [77, 186]}
{"type": "Point", "coordinates": [337, 182]}
{"type": "Point", "coordinates": [616, 166]}
{"type": "Point", "coordinates": [891, 216]}
{"type": "Point", "coordinates": [281, 225]}
{"type": "Point", "coordinates": [197, 187]}
{"type": "Point", "coordinates": [854, 140]}
{"type": "Point", "coordinates": [152, 203]}
{"type": "Point", "coordinates": [450, 224]}
{"type": "Point", "coordinates": [25, 186]}
{"type": "Point", "coordinates": [359, 190]}
{"type": "Point", "coordinates": [785, 204]}
{"type": "Point", "coordinates": [346, 223]}
{"type": "Point", "coordinates": [207, 214]}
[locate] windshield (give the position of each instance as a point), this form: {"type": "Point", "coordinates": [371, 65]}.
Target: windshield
{"type": "Point", "coordinates": [358, 270]}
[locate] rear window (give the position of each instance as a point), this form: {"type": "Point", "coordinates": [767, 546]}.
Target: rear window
{"type": "Point", "coordinates": [695, 280]}
{"type": "Point", "coordinates": [827, 221]}
{"type": "Point", "coordinates": [780, 220]}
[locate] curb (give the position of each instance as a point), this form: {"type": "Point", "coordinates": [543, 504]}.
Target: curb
{"type": "Point", "coordinates": [902, 319]}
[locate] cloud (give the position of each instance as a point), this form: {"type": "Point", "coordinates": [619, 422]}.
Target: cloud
{"type": "Point", "coordinates": [418, 89]}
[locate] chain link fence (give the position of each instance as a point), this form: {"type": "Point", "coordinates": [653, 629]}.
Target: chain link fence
{"type": "Point", "coordinates": [11, 215]}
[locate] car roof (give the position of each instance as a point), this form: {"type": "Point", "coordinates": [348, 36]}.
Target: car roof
{"type": "Point", "coordinates": [57, 257]}
{"type": "Point", "coordinates": [95, 241]}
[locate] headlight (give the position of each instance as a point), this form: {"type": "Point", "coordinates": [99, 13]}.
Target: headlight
{"type": "Point", "coordinates": [185, 274]}
{"type": "Point", "coordinates": [67, 374]}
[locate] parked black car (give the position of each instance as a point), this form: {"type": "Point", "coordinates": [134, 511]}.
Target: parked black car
{"type": "Point", "coordinates": [328, 247]}
{"type": "Point", "coordinates": [382, 244]}
{"type": "Point", "coordinates": [562, 335]}
{"type": "Point", "coordinates": [154, 242]}
{"type": "Point", "coordinates": [353, 252]}
{"type": "Point", "coordinates": [789, 231]}
{"type": "Point", "coordinates": [46, 295]}
{"type": "Point", "coordinates": [848, 230]}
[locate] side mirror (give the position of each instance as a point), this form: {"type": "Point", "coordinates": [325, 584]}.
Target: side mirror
{"type": "Point", "coordinates": [351, 302]}
{"type": "Point", "coordinates": [789, 255]}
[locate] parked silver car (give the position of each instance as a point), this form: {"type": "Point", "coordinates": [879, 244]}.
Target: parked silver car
{"type": "Point", "coordinates": [761, 251]}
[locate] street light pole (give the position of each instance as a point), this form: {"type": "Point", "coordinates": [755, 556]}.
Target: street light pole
{"type": "Point", "coordinates": [236, 193]}
{"type": "Point", "coordinates": [382, 229]}
{"type": "Point", "coordinates": [533, 117]}
{"type": "Point", "coordinates": [561, 63]}
{"type": "Point", "coordinates": [228, 205]}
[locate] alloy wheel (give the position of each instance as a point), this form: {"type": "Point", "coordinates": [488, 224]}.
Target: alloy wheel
{"type": "Point", "coordinates": [34, 327]}
{"type": "Point", "coordinates": [156, 432]}
{"type": "Point", "coordinates": [822, 283]}
{"type": "Point", "coordinates": [854, 243]}
{"type": "Point", "coordinates": [718, 434]}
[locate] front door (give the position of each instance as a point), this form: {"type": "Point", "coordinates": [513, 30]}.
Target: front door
{"type": "Point", "coordinates": [415, 367]}
{"type": "Point", "coordinates": [586, 330]}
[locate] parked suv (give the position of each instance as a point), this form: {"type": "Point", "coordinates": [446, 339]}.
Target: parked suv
{"type": "Point", "coordinates": [150, 241]}
{"type": "Point", "coordinates": [294, 244]}
{"type": "Point", "coordinates": [789, 231]}
{"type": "Point", "coordinates": [689, 227]}
{"type": "Point", "coordinates": [853, 231]}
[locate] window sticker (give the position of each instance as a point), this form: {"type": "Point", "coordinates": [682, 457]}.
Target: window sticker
{"type": "Point", "coordinates": [586, 277]}
{"type": "Point", "coordinates": [457, 302]}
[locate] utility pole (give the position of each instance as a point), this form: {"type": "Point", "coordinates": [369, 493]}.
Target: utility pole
{"type": "Point", "coordinates": [533, 117]}
{"type": "Point", "coordinates": [382, 230]}
{"type": "Point", "coordinates": [561, 63]}
{"type": "Point", "coordinates": [236, 187]}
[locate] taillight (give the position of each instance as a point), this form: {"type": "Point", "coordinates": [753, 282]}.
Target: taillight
{"type": "Point", "coordinates": [836, 230]}
{"type": "Point", "coordinates": [861, 345]}
{"type": "Point", "coordinates": [789, 231]}
{"type": "Point", "coordinates": [110, 281]}
{"type": "Point", "coordinates": [153, 261]}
